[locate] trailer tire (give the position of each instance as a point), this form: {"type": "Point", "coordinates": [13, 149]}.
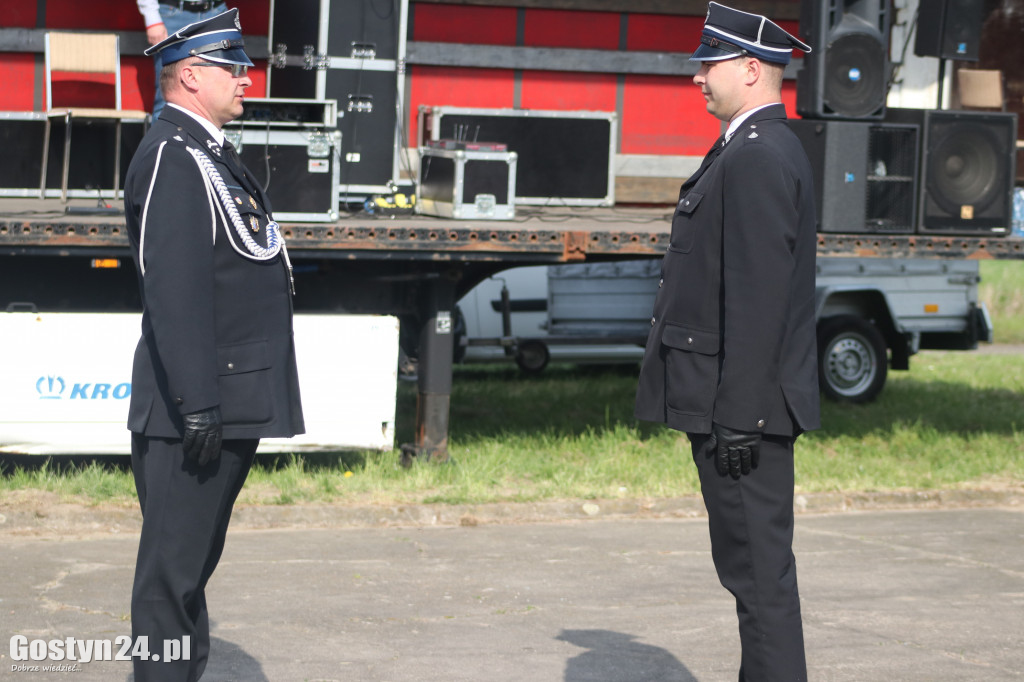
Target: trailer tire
{"type": "Point", "coordinates": [852, 363]}
{"type": "Point", "coordinates": [532, 356]}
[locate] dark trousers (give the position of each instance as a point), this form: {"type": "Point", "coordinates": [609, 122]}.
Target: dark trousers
{"type": "Point", "coordinates": [751, 524]}
{"type": "Point", "coordinates": [185, 515]}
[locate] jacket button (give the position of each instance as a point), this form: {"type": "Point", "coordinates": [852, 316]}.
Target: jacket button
{"type": "Point", "coordinates": [231, 365]}
{"type": "Point", "coordinates": [689, 340]}
{"type": "Point", "coordinates": [661, 282]}
{"type": "Point", "coordinates": [652, 321]}
{"type": "Point", "coordinates": [179, 400]}
{"type": "Point", "coordinates": [760, 423]}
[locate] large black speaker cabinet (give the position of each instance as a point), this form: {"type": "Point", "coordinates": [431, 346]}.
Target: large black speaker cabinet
{"type": "Point", "coordinates": [967, 170]}
{"type": "Point", "coordinates": [865, 174]}
{"type": "Point", "coordinates": [847, 72]}
{"type": "Point", "coordinates": [950, 29]}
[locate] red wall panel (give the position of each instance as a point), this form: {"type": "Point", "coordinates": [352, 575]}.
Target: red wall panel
{"type": "Point", "coordinates": [665, 115]}
{"type": "Point", "coordinates": [568, 91]}
{"type": "Point", "coordinates": [457, 87]}
{"type": "Point", "coordinates": [568, 28]}
{"type": "Point", "coordinates": [657, 32]}
{"type": "Point", "coordinates": [17, 73]}
{"type": "Point", "coordinates": [464, 24]}
{"type": "Point", "coordinates": [19, 14]}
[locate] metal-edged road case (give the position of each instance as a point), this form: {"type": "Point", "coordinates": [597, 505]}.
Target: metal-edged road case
{"type": "Point", "coordinates": [351, 51]}
{"type": "Point", "coordinates": [298, 167]}
{"type": "Point", "coordinates": [565, 157]}
{"type": "Point", "coordinates": [467, 184]}
{"type": "Point", "coordinates": [91, 170]}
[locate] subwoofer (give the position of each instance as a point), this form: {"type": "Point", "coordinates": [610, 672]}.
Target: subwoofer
{"type": "Point", "coordinates": [846, 75]}
{"type": "Point", "coordinates": [967, 170]}
{"type": "Point", "coordinates": [865, 174]}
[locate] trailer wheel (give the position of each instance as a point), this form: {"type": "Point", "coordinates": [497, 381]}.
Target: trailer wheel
{"type": "Point", "coordinates": [852, 364]}
{"type": "Point", "coordinates": [532, 356]}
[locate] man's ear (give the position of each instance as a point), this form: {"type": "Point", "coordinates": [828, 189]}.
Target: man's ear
{"type": "Point", "coordinates": [187, 77]}
{"type": "Point", "coordinates": [753, 70]}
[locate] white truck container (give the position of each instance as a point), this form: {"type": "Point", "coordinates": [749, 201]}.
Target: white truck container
{"type": "Point", "coordinates": [66, 390]}
{"type": "Point", "coordinates": [873, 314]}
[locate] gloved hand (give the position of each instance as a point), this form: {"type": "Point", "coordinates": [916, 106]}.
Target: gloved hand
{"type": "Point", "coordinates": [735, 452]}
{"type": "Point", "coordinates": [204, 431]}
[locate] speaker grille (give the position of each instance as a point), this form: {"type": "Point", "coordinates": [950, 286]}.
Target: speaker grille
{"type": "Point", "coordinates": [892, 171]}
{"type": "Point", "coordinates": [855, 68]}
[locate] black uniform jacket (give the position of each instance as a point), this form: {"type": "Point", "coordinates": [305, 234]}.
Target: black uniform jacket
{"type": "Point", "coordinates": [216, 325]}
{"type": "Point", "coordinates": [732, 337]}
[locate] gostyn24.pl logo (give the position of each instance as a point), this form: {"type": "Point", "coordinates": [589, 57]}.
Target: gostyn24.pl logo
{"type": "Point", "coordinates": [66, 654]}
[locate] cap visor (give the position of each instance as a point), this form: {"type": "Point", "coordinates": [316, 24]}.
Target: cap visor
{"type": "Point", "coordinates": [235, 55]}
{"type": "Point", "coordinates": [706, 53]}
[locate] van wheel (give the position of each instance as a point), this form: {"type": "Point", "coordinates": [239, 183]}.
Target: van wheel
{"type": "Point", "coordinates": [852, 363]}
{"type": "Point", "coordinates": [532, 356]}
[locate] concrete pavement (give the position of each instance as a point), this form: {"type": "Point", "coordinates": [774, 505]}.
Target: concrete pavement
{"type": "Point", "coordinates": [930, 595]}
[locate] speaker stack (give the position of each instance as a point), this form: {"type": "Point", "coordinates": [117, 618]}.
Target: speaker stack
{"type": "Point", "coordinates": [895, 171]}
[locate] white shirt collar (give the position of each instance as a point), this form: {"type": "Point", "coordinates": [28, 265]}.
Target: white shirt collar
{"type": "Point", "coordinates": [215, 132]}
{"type": "Point", "coordinates": [738, 121]}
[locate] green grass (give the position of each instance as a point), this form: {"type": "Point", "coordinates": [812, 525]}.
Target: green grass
{"type": "Point", "coordinates": [955, 420]}
{"type": "Point", "coordinates": [1002, 290]}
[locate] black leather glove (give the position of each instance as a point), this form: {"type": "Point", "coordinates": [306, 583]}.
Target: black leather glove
{"type": "Point", "coordinates": [735, 452]}
{"type": "Point", "coordinates": [204, 431]}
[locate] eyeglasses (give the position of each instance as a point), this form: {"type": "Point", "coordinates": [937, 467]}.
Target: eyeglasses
{"type": "Point", "coordinates": [236, 70]}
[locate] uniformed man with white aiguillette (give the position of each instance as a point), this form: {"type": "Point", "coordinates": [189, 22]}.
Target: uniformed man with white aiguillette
{"type": "Point", "coordinates": [731, 357]}
{"type": "Point", "coordinates": [215, 368]}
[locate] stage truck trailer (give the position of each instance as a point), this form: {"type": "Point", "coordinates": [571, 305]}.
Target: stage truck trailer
{"type": "Point", "coordinates": [396, 85]}
{"type": "Point", "coordinates": [58, 265]}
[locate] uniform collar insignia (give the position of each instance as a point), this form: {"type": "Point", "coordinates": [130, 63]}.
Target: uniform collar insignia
{"type": "Point", "coordinates": [178, 138]}
{"type": "Point", "coordinates": [214, 147]}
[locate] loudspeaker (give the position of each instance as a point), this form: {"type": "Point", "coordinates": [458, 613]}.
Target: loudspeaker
{"type": "Point", "coordinates": [967, 170]}
{"type": "Point", "coordinates": [949, 29]}
{"type": "Point", "coordinates": [865, 174]}
{"type": "Point", "coordinates": [847, 73]}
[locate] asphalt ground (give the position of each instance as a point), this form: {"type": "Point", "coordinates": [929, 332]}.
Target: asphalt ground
{"type": "Point", "coordinates": [932, 590]}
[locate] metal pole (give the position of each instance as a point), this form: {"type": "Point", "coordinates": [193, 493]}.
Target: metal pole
{"type": "Point", "coordinates": [434, 373]}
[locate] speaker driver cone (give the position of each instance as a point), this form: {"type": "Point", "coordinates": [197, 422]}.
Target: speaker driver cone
{"type": "Point", "coordinates": [964, 167]}
{"type": "Point", "coordinates": [854, 75]}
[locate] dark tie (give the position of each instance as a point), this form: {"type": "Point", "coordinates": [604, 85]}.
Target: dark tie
{"type": "Point", "coordinates": [233, 160]}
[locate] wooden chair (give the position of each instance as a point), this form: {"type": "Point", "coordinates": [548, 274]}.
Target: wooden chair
{"type": "Point", "coordinates": [83, 53]}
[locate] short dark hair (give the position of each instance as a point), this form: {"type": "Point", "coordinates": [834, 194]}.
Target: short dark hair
{"type": "Point", "coordinates": [169, 76]}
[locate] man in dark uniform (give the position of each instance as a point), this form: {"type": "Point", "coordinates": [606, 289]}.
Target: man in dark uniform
{"type": "Point", "coordinates": [215, 368]}
{"type": "Point", "coordinates": [731, 356]}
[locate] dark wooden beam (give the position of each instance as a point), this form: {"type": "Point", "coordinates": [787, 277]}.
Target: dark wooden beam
{"type": "Point", "coordinates": [557, 59]}
{"type": "Point", "coordinates": [773, 9]}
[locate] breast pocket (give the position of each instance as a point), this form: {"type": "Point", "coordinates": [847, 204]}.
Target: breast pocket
{"type": "Point", "coordinates": [683, 224]}
{"type": "Point", "coordinates": [691, 368]}
{"type": "Point", "coordinates": [253, 216]}
{"type": "Point", "coordinates": [244, 383]}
